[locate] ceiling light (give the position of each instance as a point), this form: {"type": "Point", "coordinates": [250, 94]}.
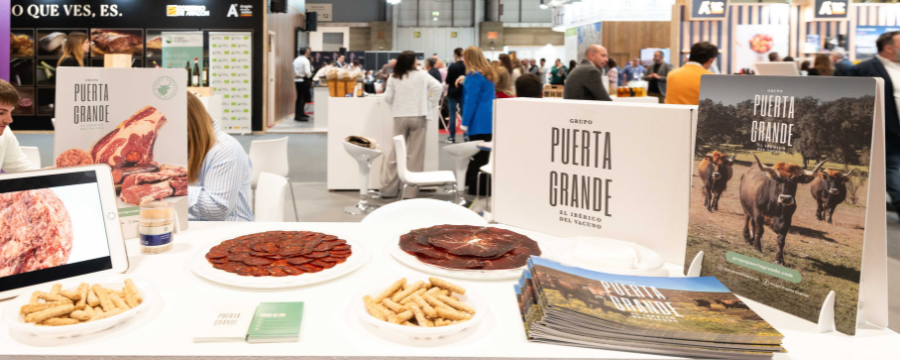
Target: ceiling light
{"type": "Point", "coordinates": [543, 6]}
{"type": "Point", "coordinates": [394, 2]}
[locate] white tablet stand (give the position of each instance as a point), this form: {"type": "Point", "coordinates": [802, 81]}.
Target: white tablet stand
{"type": "Point", "coordinates": [826, 315]}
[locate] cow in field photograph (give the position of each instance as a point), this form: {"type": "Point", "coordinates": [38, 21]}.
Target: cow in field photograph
{"type": "Point", "coordinates": [768, 197]}
{"type": "Point", "coordinates": [732, 304]}
{"type": "Point", "coordinates": [829, 189]}
{"type": "Point", "coordinates": [715, 172]}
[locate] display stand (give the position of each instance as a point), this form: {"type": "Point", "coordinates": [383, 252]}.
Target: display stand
{"type": "Point", "coordinates": [826, 315]}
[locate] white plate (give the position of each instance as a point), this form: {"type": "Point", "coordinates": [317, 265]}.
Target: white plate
{"type": "Point", "coordinates": [16, 321]}
{"type": "Point", "coordinates": [393, 249]}
{"type": "Point", "coordinates": [563, 250]}
{"type": "Point", "coordinates": [202, 268]}
{"type": "Point", "coordinates": [471, 298]}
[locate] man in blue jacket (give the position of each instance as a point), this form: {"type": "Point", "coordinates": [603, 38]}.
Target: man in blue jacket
{"type": "Point", "coordinates": [886, 65]}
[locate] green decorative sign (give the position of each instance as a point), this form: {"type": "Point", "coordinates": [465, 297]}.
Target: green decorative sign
{"type": "Point", "coordinates": [764, 267]}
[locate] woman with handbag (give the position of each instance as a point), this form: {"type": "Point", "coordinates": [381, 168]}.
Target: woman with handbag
{"type": "Point", "coordinates": [412, 94]}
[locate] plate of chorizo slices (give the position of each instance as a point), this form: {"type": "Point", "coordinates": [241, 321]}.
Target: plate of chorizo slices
{"type": "Point", "coordinates": [278, 259]}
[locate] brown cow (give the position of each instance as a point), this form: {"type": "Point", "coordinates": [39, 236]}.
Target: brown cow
{"type": "Point", "coordinates": [728, 304]}
{"type": "Point", "coordinates": [768, 198]}
{"type": "Point", "coordinates": [715, 172]}
{"type": "Point", "coordinates": [701, 302]}
{"type": "Point", "coordinates": [829, 189]}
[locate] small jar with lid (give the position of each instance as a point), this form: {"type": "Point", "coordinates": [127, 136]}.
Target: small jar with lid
{"type": "Point", "coordinates": [156, 226]}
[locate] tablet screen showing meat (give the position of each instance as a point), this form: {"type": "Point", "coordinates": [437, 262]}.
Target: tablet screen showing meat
{"type": "Point", "coordinates": [51, 227]}
{"type": "Point", "coordinates": [469, 247]}
{"type": "Point", "coordinates": [279, 253]}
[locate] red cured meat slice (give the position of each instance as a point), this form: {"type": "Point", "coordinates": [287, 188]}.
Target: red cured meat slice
{"type": "Point", "coordinates": [337, 242]}
{"type": "Point", "coordinates": [293, 271]}
{"type": "Point", "coordinates": [317, 255]}
{"type": "Point", "coordinates": [233, 266]}
{"type": "Point", "coordinates": [309, 268]}
{"type": "Point", "coordinates": [290, 251]}
{"type": "Point", "coordinates": [340, 251]}
{"type": "Point", "coordinates": [299, 260]}
{"type": "Point", "coordinates": [341, 247]}
{"type": "Point", "coordinates": [326, 265]}
{"type": "Point", "coordinates": [216, 254]}
{"type": "Point", "coordinates": [342, 255]}
{"type": "Point", "coordinates": [247, 270]}
{"type": "Point", "coordinates": [515, 258]}
{"type": "Point", "coordinates": [332, 259]}
{"type": "Point", "coordinates": [324, 246]}
{"type": "Point", "coordinates": [483, 242]}
{"type": "Point", "coordinates": [261, 254]}
{"type": "Point", "coordinates": [238, 257]}
{"type": "Point", "coordinates": [239, 249]}
{"type": "Point", "coordinates": [218, 261]}
{"type": "Point", "coordinates": [329, 238]}
{"type": "Point", "coordinates": [277, 271]}
{"type": "Point", "coordinates": [257, 261]}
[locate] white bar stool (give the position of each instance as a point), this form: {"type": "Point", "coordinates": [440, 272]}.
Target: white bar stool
{"type": "Point", "coordinates": [462, 154]}
{"type": "Point", "coordinates": [364, 157]}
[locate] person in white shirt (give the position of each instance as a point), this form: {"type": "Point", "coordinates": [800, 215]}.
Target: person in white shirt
{"type": "Point", "coordinates": [412, 95]}
{"type": "Point", "coordinates": [302, 80]}
{"type": "Point", "coordinates": [12, 159]}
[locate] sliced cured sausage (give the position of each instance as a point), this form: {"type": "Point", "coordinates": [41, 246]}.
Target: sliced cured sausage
{"type": "Point", "coordinates": [279, 253]}
{"type": "Point", "coordinates": [257, 261]}
{"type": "Point", "coordinates": [299, 260]}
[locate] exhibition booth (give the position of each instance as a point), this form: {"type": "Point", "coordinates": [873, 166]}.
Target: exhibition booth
{"type": "Point", "coordinates": [745, 227]}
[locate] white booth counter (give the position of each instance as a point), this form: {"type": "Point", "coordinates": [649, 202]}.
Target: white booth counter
{"type": "Point", "coordinates": [331, 329]}
{"type": "Point", "coordinates": [641, 99]}
{"type": "Point", "coordinates": [368, 116]}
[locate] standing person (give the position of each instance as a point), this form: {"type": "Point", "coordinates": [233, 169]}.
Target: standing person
{"type": "Point", "coordinates": [478, 108]}
{"type": "Point", "coordinates": [443, 71]}
{"type": "Point", "coordinates": [76, 46]}
{"type": "Point", "coordinates": [822, 66]}
{"type": "Point", "coordinates": [633, 71]}
{"type": "Point", "coordinates": [430, 64]}
{"type": "Point", "coordinates": [534, 68]}
{"type": "Point", "coordinates": [302, 76]}
{"type": "Point", "coordinates": [529, 86]}
{"type": "Point", "coordinates": [558, 73]}
{"type": "Point", "coordinates": [12, 159]}
{"type": "Point", "coordinates": [773, 57]}
{"type": "Point", "coordinates": [503, 86]}
{"type": "Point", "coordinates": [385, 74]}
{"type": "Point", "coordinates": [412, 94]}
{"type": "Point", "coordinates": [684, 82]}
{"type": "Point", "coordinates": [454, 92]}
{"type": "Point", "coordinates": [219, 171]}
{"type": "Point", "coordinates": [657, 76]}
{"type": "Point", "coordinates": [841, 64]}
{"type": "Point", "coordinates": [586, 82]}
{"type": "Point", "coordinates": [507, 63]}
{"type": "Point", "coordinates": [545, 71]}
{"type": "Point", "coordinates": [340, 61]}
{"type": "Point", "coordinates": [613, 73]}
{"type": "Point", "coordinates": [886, 65]}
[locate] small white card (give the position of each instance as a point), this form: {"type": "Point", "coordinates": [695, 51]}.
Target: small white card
{"type": "Point", "coordinates": [225, 324]}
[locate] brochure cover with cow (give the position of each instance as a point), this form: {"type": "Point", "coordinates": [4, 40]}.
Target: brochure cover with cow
{"type": "Point", "coordinates": [697, 317]}
{"type": "Point", "coordinates": [780, 189]}
{"type": "Point", "coordinates": [135, 121]}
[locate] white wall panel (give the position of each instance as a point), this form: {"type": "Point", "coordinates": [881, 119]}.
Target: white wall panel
{"type": "Point", "coordinates": [435, 40]}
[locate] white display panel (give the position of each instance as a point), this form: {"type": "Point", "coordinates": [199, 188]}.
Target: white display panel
{"type": "Point", "coordinates": [231, 76]}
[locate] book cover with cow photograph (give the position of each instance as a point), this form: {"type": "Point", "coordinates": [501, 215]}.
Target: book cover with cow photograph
{"type": "Point", "coordinates": [780, 187]}
{"type": "Point", "coordinates": [661, 315]}
{"type": "Point", "coordinates": [133, 120]}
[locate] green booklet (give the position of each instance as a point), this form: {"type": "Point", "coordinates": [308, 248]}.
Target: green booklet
{"type": "Point", "coordinates": [276, 322]}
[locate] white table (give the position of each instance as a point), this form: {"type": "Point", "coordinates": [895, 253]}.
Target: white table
{"type": "Point", "coordinates": [331, 329]}
{"type": "Point", "coordinates": [368, 116]}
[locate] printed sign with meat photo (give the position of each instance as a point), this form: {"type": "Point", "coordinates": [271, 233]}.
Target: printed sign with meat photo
{"type": "Point", "coordinates": [780, 189]}
{"type": "Point", "coordinates": [134, 121]}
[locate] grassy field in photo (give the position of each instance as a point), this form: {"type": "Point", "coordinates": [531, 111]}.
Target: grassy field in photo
{"type": "Point", "coordinates": [828, 256]}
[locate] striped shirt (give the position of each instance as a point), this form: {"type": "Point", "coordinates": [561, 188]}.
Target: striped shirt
{"type": "Point", "coordinates": [222, 191]}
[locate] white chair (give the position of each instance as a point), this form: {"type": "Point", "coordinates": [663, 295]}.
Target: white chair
{"type": "Point", "coordinates": [364, 157]}
{"type": "Point", "coordinates": [424, 212]}
{"type": "Point", "coordinates": [419, 179]}
{"type": "Point", "coordinates": [269, 201]}
{"type": "Point", "coordinates": [33, 154]}
{"type": "Point", "coordinates": [485, 169]}
{"type": "Point", "coordinates": [271, 156]}
{"type": "Point", "coordinates": [462, 154]}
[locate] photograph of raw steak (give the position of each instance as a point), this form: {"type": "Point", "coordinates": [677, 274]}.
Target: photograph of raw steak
{"type": "Point", "coordinates": [116, 42]}
{"type": "Point", "coordinates": [143, 187]}
{"type": "Point", "coordinates": [74, 157]}
{"type": "Point", "coordinates": [142, 194]}
{"type": "Point", "coordinates": [35, 231]}
{"type": "Point", "coordinates": [131, 143]}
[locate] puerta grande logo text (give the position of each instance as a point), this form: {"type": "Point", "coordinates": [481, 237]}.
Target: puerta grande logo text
{"type": "Point", "coordinates": [90, 93]}
{"type": "Point", "coordinates": [38, 11]}
{"type": "Point", "coordinates": [580, 149]}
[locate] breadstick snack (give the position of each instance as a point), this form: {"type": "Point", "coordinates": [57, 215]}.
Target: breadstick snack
{"type": "Point", "coordinates": [420, 304]}
{"type": "Point", "coordinates": [61, 307]}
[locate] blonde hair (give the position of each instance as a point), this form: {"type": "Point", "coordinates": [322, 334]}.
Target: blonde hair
{"type": "Point", "coordinates": [475, 61]}
{"type": "Point", "coordinates": [201, 136]}
{"type": "Point", "coordinates": [823, 65]}
{"type": "Point", "coordinates": [504, 80]}
{"type": "Point", "coordinates": [74, 42]}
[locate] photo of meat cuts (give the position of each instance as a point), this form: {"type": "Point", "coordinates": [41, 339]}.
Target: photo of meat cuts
{"type": "Point", "coordinates": [48, 241]}
{"type": "Point", "coordinates": [469, 247]}
{"type": "Point", "coordinates": [128, 150]}
{"type": "Point", "coordinates": [117, 41]}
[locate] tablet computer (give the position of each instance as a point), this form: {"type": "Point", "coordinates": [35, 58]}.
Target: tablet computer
{"type": "Point", "coordinates": [58, 224]}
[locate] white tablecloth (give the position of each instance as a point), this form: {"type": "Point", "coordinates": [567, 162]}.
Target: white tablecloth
{"type": "Point", "coordinates": [330, 329]}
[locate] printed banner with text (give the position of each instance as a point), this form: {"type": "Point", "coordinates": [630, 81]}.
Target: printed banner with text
{"type": "Point", "coordinates": [231, 61]}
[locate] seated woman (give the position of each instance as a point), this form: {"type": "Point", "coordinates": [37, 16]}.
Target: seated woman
{"type": "Point", "coordinates": [219, 171]}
